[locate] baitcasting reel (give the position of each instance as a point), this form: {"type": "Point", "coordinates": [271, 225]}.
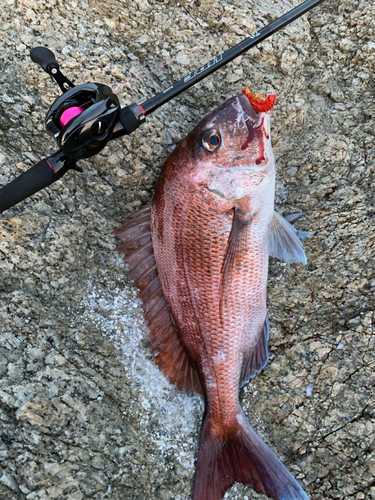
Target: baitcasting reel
{"type": "Point", "coordinates": [84, 118]}
{"type": "Point", "coordinates": [82, 121]}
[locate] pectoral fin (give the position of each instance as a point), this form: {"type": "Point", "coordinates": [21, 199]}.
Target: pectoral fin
{"type": "Point", "coordinates": [237, 242]}
{"type": "Point", "coordinates": [236, 249]}
{"type": "Point", "coordinates": [284, 242]}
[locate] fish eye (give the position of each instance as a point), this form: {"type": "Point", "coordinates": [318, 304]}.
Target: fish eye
{"type": "Point", "coordinates": [211, 140]}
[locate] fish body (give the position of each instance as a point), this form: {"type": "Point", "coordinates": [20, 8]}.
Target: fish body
{"type": "Point", "coordinates": [202, 273]}
{"type": "Point", "coordinates": [219, 310]}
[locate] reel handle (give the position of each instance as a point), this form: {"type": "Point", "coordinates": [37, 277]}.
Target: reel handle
{"type": "Point", "coordinates": [45, 58]}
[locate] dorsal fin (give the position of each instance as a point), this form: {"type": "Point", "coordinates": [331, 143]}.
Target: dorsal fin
{"type": "Point", "coordinates": [258, 357]}
{"type": "Point", "coordinates": [172, 359]}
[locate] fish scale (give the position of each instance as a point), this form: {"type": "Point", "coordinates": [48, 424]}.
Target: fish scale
{"type": "Point", "coordinates": [226, 332]}
{"type": "Point", "coordinates": [212, 228]}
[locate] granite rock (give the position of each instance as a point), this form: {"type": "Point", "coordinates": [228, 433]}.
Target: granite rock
{"type": "Point", "coordinates": [84, 411]}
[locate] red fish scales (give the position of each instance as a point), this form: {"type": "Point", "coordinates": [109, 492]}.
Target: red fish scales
{"type": "Point", "coordinates": [213, 320]}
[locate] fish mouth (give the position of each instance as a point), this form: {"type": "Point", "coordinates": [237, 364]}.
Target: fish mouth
{"type": "Point", "coordinates": [257, 129]}
{"type": "Point", "coordinates": [253, 119]}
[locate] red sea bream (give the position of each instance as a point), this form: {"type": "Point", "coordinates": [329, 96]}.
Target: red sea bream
{"type": "Point", "coordinates": [199, 256]}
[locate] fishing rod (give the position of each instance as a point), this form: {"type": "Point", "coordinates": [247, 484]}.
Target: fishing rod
{"type": "Point", "coordinates": [86, 117]}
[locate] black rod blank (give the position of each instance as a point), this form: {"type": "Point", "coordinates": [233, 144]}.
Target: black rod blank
{"type": "Point", "coordinates": [199, 74]}
{"type": "Point", "coordinates": [51, 169]}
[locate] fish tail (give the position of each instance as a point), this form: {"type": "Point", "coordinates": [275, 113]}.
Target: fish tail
{"type": "Point", "coordinates": [239, 454]}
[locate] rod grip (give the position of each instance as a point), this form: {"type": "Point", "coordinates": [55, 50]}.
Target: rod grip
{"type": "Point", "coordinates": [36, 178]}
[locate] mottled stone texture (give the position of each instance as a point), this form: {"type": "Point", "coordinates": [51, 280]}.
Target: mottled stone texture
{"type": "Point", "coordinates": [84, 412]}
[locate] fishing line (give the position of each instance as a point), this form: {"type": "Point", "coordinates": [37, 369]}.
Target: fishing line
{"type": "Point", "coordinates": [200, 47]}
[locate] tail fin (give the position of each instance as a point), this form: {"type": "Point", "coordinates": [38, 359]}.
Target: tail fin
{"type": "Point", "coordinates": [241, 456]}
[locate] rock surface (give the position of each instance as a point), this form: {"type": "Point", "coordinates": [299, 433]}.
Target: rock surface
{"type": "Point", "coordinates": [84, 411]}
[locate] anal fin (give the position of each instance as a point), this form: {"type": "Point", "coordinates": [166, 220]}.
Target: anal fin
{"type": "Point", "coordinates": [172, 359]}
{"type": "Point", "coordinates": [258, 357]}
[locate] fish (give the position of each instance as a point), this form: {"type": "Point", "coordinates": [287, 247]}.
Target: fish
{"type": "Point", "coordinates": [199, 256]}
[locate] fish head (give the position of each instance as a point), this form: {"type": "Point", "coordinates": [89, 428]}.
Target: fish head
{"type": "Point", "coordinates": [229, 153]}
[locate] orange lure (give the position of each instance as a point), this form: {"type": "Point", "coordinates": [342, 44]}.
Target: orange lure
{"type": "Point", "coordinates": [259, 103]}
